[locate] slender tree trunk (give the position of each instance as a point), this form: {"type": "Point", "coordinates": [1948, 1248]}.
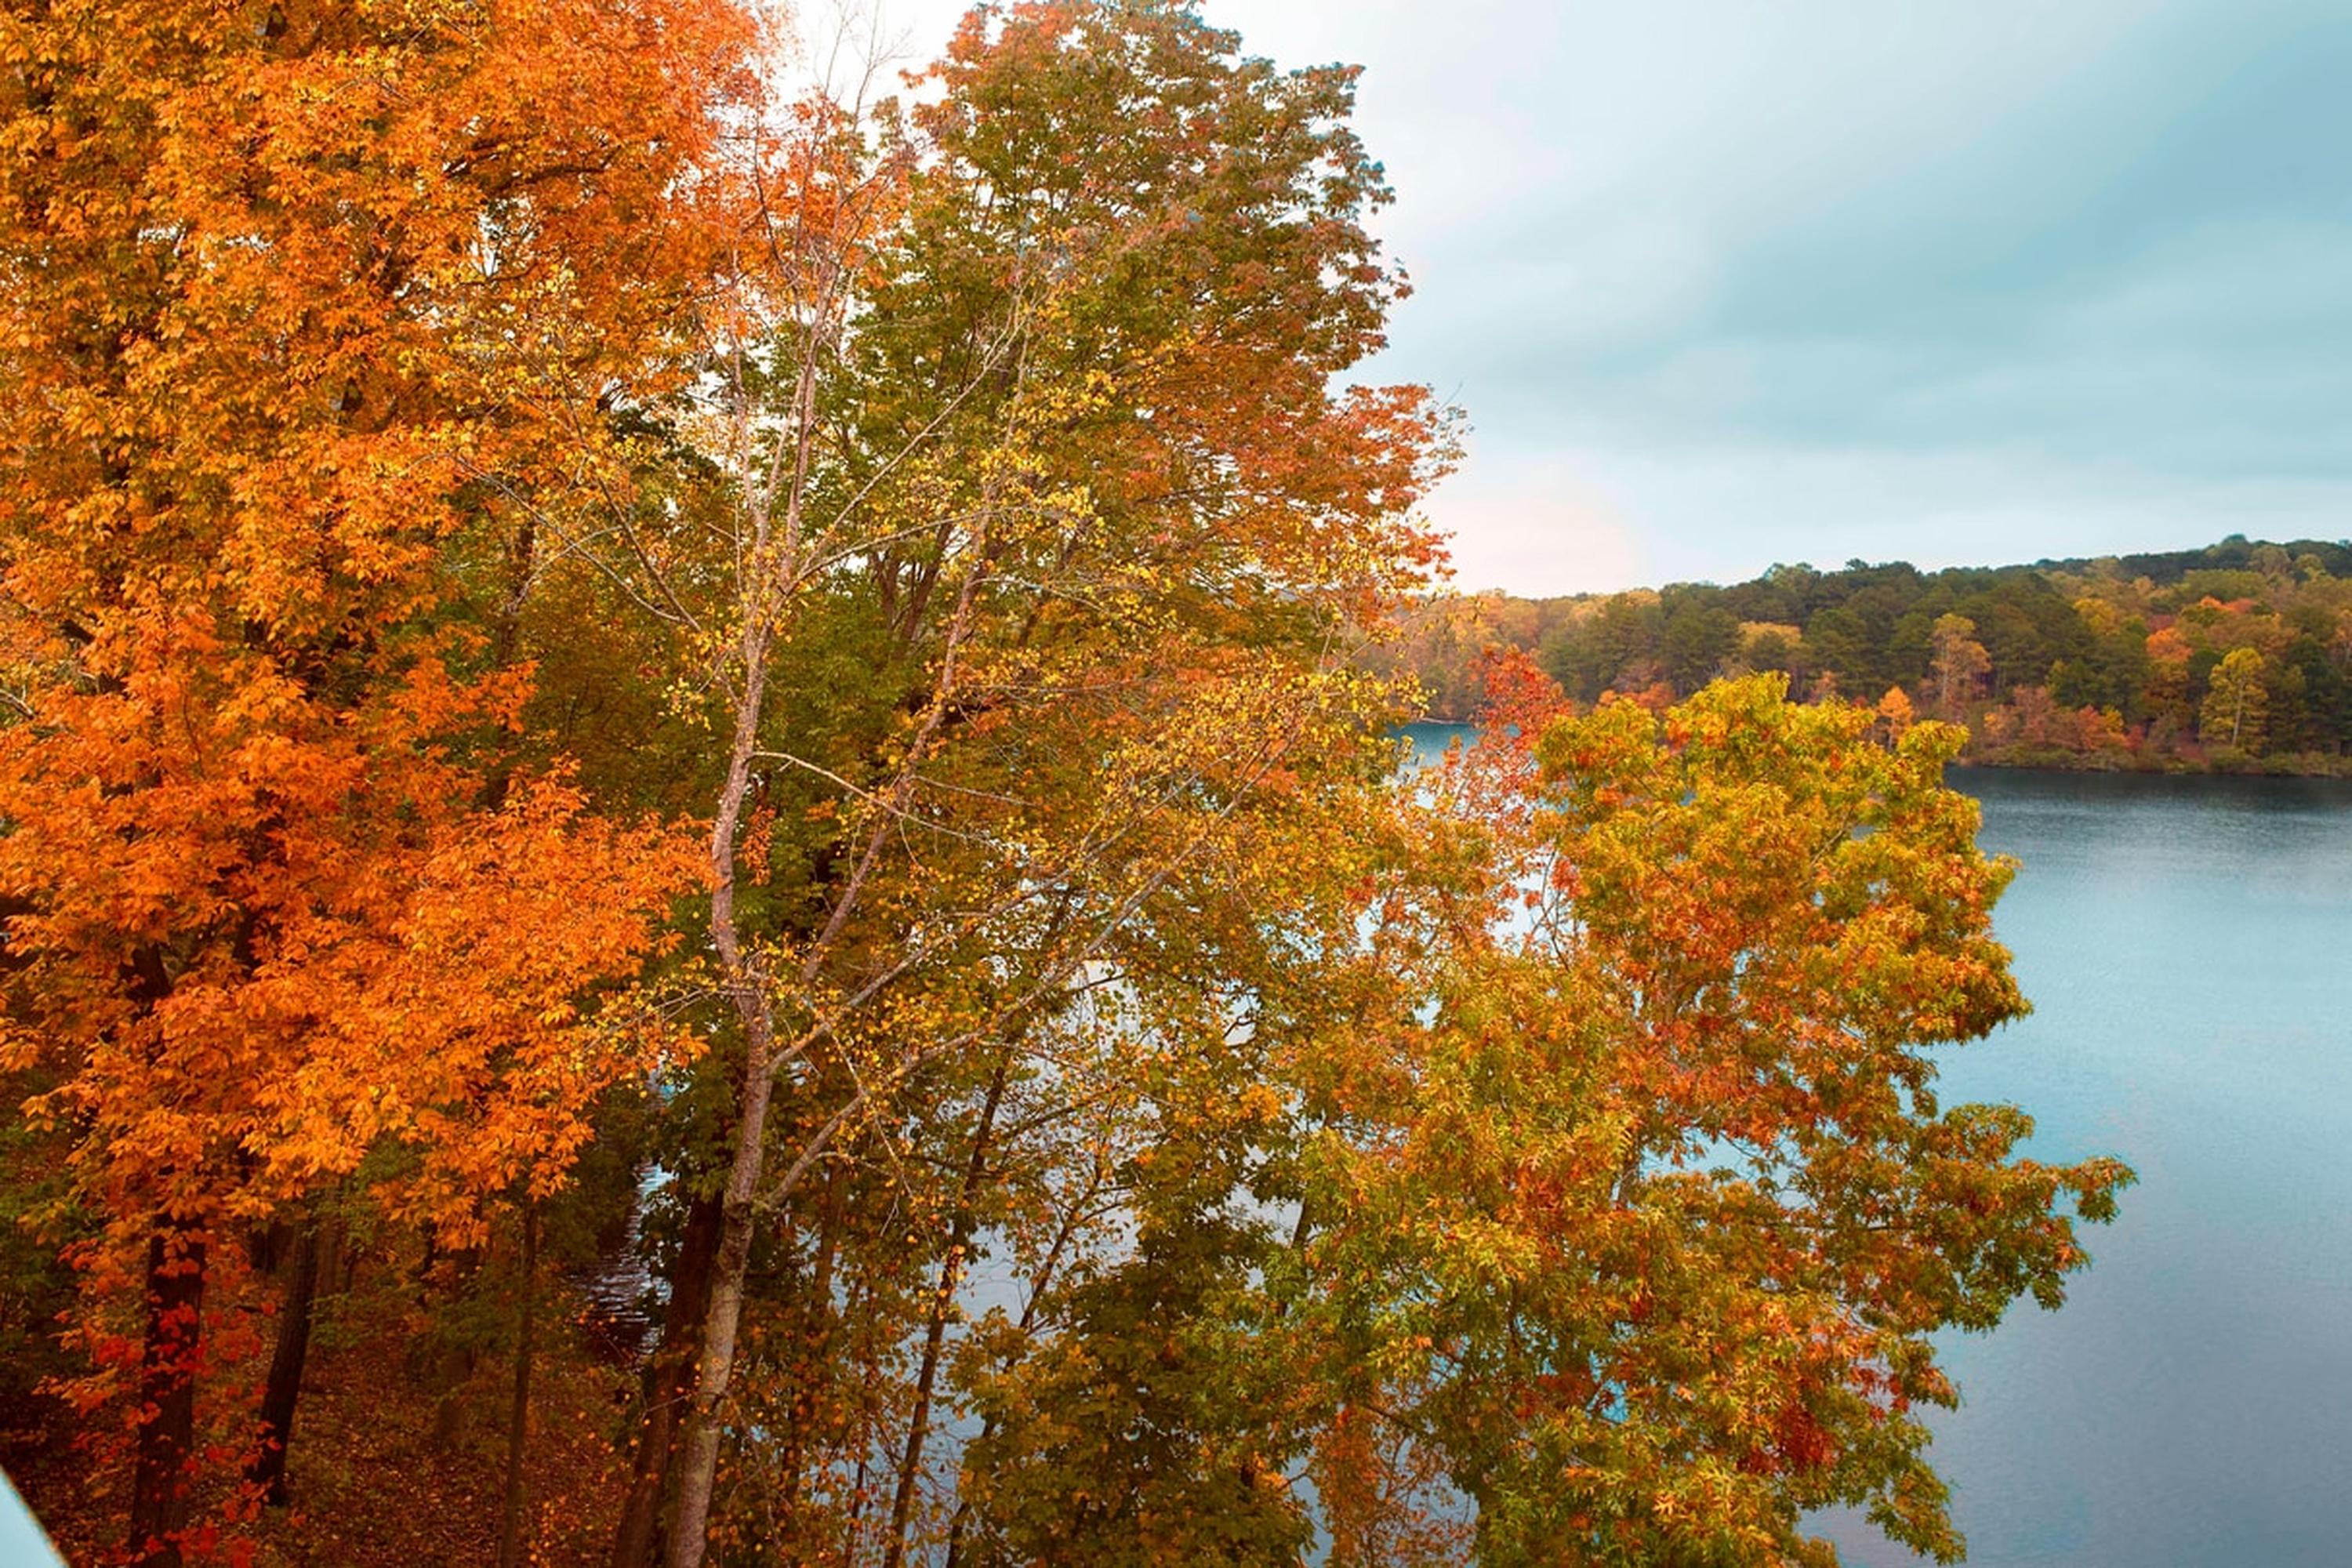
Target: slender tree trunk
{"type": "Point", "coordinates": [454, 1366]}
{"type": "Point", "coordinates": [746, 988]}
{"type": "Point", "coordinates": [167, 1397]}
{"type": "Point", "coordinates": [747, 983]}
{"type": "Point", "coordinates": [669, 1384]}
{"type": "Point", "coordinates": [910, 1462]}
{"type": "Point", "coordinates": [1038, 1282]}
{"type": "Point", "coordinates": [815, 1356]}
{"type": "Point", "coordinates": [706, 1421]}
{"type": "Point", "coordinates": [869, 1399]}
{"type": "Point", "coordinates": [772, 562]}
{"type": "Point", "coordinates": [284, 1387]}
{"type": "Point", "coordinates": [510, 1523]}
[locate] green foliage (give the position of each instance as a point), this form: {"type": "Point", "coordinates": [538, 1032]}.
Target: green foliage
{"type": "Point", "coordinates": [1649, 1229]}
{"type": "Point", "coordinates": [2104, 663]}
{"type": "Point", "coordinates": [1152, 1426]}
{"type": "Point", "coordinates": [1102, 1115]}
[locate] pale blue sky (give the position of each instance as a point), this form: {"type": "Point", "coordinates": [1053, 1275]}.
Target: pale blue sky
{"type": "Point", "coordinates": [1725, 282]}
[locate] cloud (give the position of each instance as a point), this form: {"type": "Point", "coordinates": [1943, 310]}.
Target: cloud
{"type": "Point", "coordinates": [1950, 280]}
{"type": "Point", "coordinates": [1515, 512]}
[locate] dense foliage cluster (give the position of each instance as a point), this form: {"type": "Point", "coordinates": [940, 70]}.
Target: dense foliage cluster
{"type": "Point", "coordinates": [699, 864]}
{"type": "Point", "coordinates": [2234, 656]}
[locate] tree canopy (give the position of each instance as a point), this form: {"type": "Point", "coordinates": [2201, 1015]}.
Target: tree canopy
{"type": "Point", "coordinates": [2105, 663]}
{"type": "Point", "coordinates": [703, 857]}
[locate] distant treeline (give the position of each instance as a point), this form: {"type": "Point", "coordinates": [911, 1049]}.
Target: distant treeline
{"type": "Point", "coordinates": [2237, 657]}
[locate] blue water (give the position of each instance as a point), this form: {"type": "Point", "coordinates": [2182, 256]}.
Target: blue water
{"type": "Point", "coordinates": [22, 1542]}
{"type": "Point", "coordinates": [2187, 944]}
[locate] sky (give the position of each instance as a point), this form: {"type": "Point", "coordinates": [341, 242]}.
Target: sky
{"type": "Point", "coordinates": [1720, 283]}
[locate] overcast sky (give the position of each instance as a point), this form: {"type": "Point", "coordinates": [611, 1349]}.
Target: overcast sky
{"type": "Point", "coordinates": [1727, 282]}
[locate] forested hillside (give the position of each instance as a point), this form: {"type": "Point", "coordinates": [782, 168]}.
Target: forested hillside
{"type": "Point", "coordinates": [2237, 657]}
{"type": "Point", "coordinates": [697, 865]}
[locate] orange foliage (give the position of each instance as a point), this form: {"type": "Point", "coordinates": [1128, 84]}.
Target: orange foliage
{"type": "Point", "coordinates": [1650, 1238]}
{"type": "Point", "coordinates": [316, 319]}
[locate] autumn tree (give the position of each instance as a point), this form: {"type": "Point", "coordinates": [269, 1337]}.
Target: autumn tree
{"type": "Point", "coordinates": [1894, 711]}
{"type": "Point", "coordinates": [2236, 701]}
{"type": "Point", "coordinates": [1960, 663]}
{"type": "Point", "coordinates": [1020, 539]}
{"type": "Point", "coordinates": [1636, 1230]}
{"type": "Point", "coordinates": [315, 315]}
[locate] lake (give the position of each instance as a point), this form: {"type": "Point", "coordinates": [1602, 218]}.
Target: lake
{"type": "Point", "coordinates": [2186, 944]}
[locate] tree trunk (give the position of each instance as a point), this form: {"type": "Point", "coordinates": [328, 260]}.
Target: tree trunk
{"type": "Point", "coordinates": [669, 1384]}
{"type": "Point", "coordinates": [747, 986]}
{"type": "Point", "coordinates": [284, 1388]}
{"type": "Point", "coordinates": [706, 1419]}
{"type": "Point", "coordinates": [911, 1463]}
{"type": "Point", "coordinates": [453, 1368]}
{"type": "Point", "coordinates": [167, 1397]}
{"type": "Point", "coordinates": [777, 561]}
{"type": "Point", "coordinates": [814, 1358]}
{"type": "Point", "coordinates": [510, 1529]}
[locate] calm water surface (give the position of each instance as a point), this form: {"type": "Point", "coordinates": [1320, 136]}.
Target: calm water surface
{"type": "Point", "coordinates": [2187, 944]}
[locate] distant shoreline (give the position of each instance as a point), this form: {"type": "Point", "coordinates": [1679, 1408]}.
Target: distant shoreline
{"type": "Point", "coordinates": [2235, 659]}
{"type": "Point", "coordinates": [2329, 768]}
{"type": "Point", "coordinates": [2295, 766]}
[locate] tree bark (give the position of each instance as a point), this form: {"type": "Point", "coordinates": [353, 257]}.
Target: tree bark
{"type": "Point", "coordinates": [911, 1463]}
{"type": "Point", "coordinates": [707, 1425]}
{"type": "Point", "coordinates": [167, 1397]}
{"type": "Point", "coordinates": [453, 1366]}
{"type": "Point", "coordinates": [669, 1384]}
{"type": "Point", "coordinates": [747, 986]}
{"type": "Point", "coordinates": [284, 1388]}
{"type": "Point", "coordinates": [510, 1520]}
